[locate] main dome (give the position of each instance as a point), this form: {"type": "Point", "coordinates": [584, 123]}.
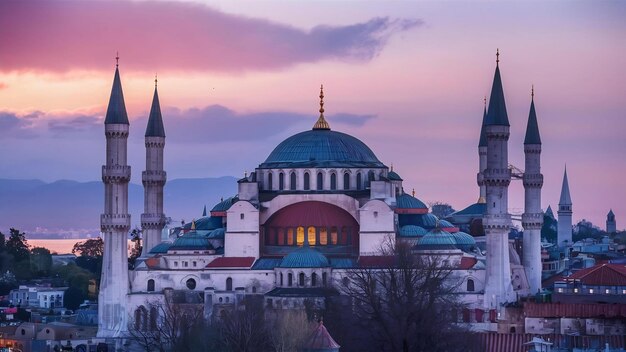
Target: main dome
{"type": "Point", "coordinates": [321, 148]}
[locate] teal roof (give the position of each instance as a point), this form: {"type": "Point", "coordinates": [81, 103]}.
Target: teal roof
{"type": "Point", "coordinates": [532, 129]}
{"type": "Point", "coordinates": [437, 239]}
{"type": "Point", "coordinates": [482, 140]}
{"type": "Point", "coordinates": [225, 204]}
{"type": "Point", "coordinates": [342, 263]}
{"type": "Point", "coordinates": [305, 257]}
{"type": "Point", "coordinates": [217, 234]}
{"type": "Point", "coordinates": [393, 176]}
{"type": "Point", "coordinates": [428, 220]}
{"type": "Point", "coordinates": [116, 111]}
{"type": "Point", "coordinates": [160, 248]}
{"type": "Point", "coordinates": [321, 148]}
{"type": "Point", "coordinates": [412, 231]}
{"type": "Point", "coordinates": [206, 223]}
{"type": "Point", "coordinates": [155, 120]}
{"type": "Point", "coordinates": [445, 223]}
{"type": "Point", "coordinates": [496, 114]}
{"type": "Point", "coordinates": [549, 212]}
{"type": "Point", "coordinates": [407, 201]}
{"type": "Point", "coordinates": [463, 239]}
{"type": "Point", "coordinates": [474, 209]}
{"type": "Point", "coordinates": [266, 263]}
{"type": "Point", "coordinates": [191, 241]}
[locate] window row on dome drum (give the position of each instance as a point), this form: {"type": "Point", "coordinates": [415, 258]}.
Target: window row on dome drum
{"type": "Point", "coordinates": [290, 181]}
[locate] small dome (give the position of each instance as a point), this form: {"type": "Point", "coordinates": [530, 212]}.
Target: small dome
{"type": "Point", "coordinates": [393, 176]}
{"type": "Point", "coordinates": [217, 234]}
{"type": "Point", "coordinates": [429, 221]}
{"type": "Point", "coordinates": [321, 148]}
{"type": "Point", "coordinates": [305, 257]}
{"type": "Point", "coordinates": [436, 239]}
{"type": "Point", "coordinates": [407, 201]}
{"type": "Point", "coordinates": [412, 231]}
{"type": "Point", "coordinates": [225, 204]}
{"type": "Point", "coordinates": [191, 241]}
{"type": "Point", "coordinates": [463, 239]}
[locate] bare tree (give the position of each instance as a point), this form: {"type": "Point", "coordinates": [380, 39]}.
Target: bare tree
{"type": "Point", "coordinates": [289, 330]}
{"type": "Point", "coordinates": [407, 304]}
{"type": "Point", "coordinates": [244, 329]}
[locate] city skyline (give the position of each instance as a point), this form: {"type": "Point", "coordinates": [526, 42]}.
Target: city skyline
{"type": "Point", "coordinates": [403, 78]}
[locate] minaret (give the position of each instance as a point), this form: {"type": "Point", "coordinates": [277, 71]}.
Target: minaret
{"type": "Point", "coordinates": [482, 157]}
{"type": "Point", "coordinates": [611, 226]}
{"type": "Point", "coordinates": [153, 179]}
{"type": "Point", "coordinates": [564, 233]}
{"type": "Point", "coordinates": [497, 220]}
{"type": "Point", "coordinates": [115, 222]}
{"type": "Point", "coordinates": [532, 219]}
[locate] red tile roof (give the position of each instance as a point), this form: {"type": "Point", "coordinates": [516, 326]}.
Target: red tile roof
{"type": "Point", "coordinates": [320, 339]}
{"type": "Point", "coordinates": [231, 262]}
{"type": "Point", "coordinates": [152, 263]}
{"type": "Point", "coordinates": [601, 275]}
{"type": "Point", "coordinates": [495, 342]}
{"type": "Point", "coordinates": [467, 263]}
{"type": "Point", "coordinates": [573, 310]}
{"type": "Point", "coordinates": [376, 261]}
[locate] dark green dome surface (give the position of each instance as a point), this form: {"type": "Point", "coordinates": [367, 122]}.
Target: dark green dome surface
{"type": "Point", "coordinates": [321, 148]}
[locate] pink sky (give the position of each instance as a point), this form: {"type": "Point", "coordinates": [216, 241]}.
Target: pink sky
{"type": "Point", "coordinates": [235, 78]}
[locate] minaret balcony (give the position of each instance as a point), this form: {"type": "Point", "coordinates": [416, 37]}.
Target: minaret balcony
{"type": "Point", "coordinates": [497, 221]}
{"type": "Point", "coordinates": [115, 173]}
{"type": "Point", "coordinates": [115, 222]}
{"type": "Point", "coordinates": [532, 220]}
{"type": "Point", "coordinates": [152, 220]}
{"type": "Point", "coordinates": [532, 180]}
{"type": "Point", "coordinates": [153, 177]}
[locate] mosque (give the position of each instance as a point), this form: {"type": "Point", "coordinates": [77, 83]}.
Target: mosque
{"type": "Point", "coordinates": [318, 206]}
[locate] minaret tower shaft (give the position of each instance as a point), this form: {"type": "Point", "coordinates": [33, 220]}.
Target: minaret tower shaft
{"type": "Point", "coordinates": [115, 221]}
{"type": "Point", "coordinates": [532, 219]}
{"type": "Point", "coordinates": [153, 178]}
{"type": "Point", "coordinates": [497, 177]}
{"type": "Point", "coordinates": [564, 232]}
{"type": "Point", "coordinates": [482, 158]}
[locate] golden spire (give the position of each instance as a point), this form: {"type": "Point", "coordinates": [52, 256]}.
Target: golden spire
{"type": "Point", "coordinates": [321, 123]}
{"type": "Point", "coordinates": [481, 200]}
{"type": "Point", "coordinates": [193, 225]}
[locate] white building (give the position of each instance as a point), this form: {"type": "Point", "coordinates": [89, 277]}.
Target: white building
{"type": "Point", "coordinates": [37, 297]}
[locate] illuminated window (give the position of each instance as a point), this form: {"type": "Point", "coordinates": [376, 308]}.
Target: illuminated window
{"type": "Point", "coordinates": [300, 236]}
{"type": "Point", "coordinates": [333, 235]}
{"type": "Point", "coordinates": [323, 236]}
{"type": "Point", "coordinates": [590, 290]}
{"type": "Point", "coordinates": [290, 236]}
{"type": "Point", "coordinates": [575, 290]}
{"type": "Point", "coordinates": [607, 291]}
{"type": "Point", "coordinates": [311, 235]}
{"type": "Point", "coordinates": [560, 289]}
{"type": "Point", "coordinates": [624, 292]}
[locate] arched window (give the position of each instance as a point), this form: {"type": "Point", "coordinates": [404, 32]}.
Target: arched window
{"type": "Point", "coordinates": [281, 181]}
{"type": "Point", "coordinates": [301, 279]}
{"type": "Point", "coordinates": [150, 285]}
{"type": "Point", "coordinates": [346, 181]}
{"type": "Point", "coordinates": [290, 236]}
{"type": "Point", "coordinates": [281, 279]}
{"type": "Point", "coordinates": [290, 279]}
{"type": "Point", "coordinates": [270, 181]}
{"type": "Point", "coordinates": [314, 279]}
{"type": "Point", "coordinates": [300, 236]}
{"type": "Point", "coordinates": [281, 236]}
{"type": "Point", "coordinates": [333, 181]}
{"type": "Point", "coordinates": [323, 236]}
{"type": "Point", "coordinates": [324, 279]}
{"type": "Point", "coordinates": [292, 181]}
{"type": "Point", "coordinates": [359, 182]}
{"type": "Point", "coordinates": [470, 285]}
{"type": "Point", "coordinates": [229, 284]}
{"type": "Point", "coordinates": [311, 235]}
{"type": "Point", "coordinates": [370, 176]}
{"type": "Point", "coordinates": [333, 235]}
{"type": "Point", "coordinates": [320, 181]}
{"type": "Point", "coordinates": [154, 315]}
{"type": "Point", "coordinates": [307, 181]}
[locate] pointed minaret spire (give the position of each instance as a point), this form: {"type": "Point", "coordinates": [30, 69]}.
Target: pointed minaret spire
{"type": "Point", "coordinates": [204, 211]}
{"type": "Point", "coordinates": [116, 111]}
{"type": "Point", "coordinates": [496, 114]}
{"type": "Point", "coordinates": [321, 123]}
{"type": "Point", "coordinates": [482, 141]}
{"type": "Point", "coordinates": [532, 129]}
{"type": "Point", "coordinates": [155, 121]}
{"type": "Point", "coordinates": [566, 199]}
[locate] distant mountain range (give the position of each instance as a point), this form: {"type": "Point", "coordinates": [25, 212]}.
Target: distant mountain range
{"type": "Point", "coordinates": [72, 209]}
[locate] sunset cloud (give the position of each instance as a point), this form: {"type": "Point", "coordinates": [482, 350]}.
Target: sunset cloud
{"type": "Point", "coordinates": [60, 36]}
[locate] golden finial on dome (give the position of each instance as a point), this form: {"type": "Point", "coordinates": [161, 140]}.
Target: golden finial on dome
{"type": "Point", "coordinates": [482, 200]}
{"type": "Point", "coordinates": [193, 225]}
{"type": "Point", "coordinates": [321, 123]}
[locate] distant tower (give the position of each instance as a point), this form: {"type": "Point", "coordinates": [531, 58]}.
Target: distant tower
{"type": "Point", "coordinates": [532, 219]}
{"type": "Point", "coordinates": [564, 233]}
{"type": "Point", "coordinates": [482, 158]}
{"type": "Point", "coordinates": [611, 226]}
{"type": "Point", "coordinates": [153, 219]}
{"type": "Point", "coordinates": [115, 222]}
{"type": "Point", "coordinates": [497, 220]}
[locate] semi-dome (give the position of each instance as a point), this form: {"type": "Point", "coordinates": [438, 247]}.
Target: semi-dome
{"type": "Point", "coordinates": [321, 148]}
{"type": "Point", "coordinates": [305, 257]}
{"type": "Point", "coordinates": [412, 231]}
{"type": "Point", "coordinates": [393, 176]}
